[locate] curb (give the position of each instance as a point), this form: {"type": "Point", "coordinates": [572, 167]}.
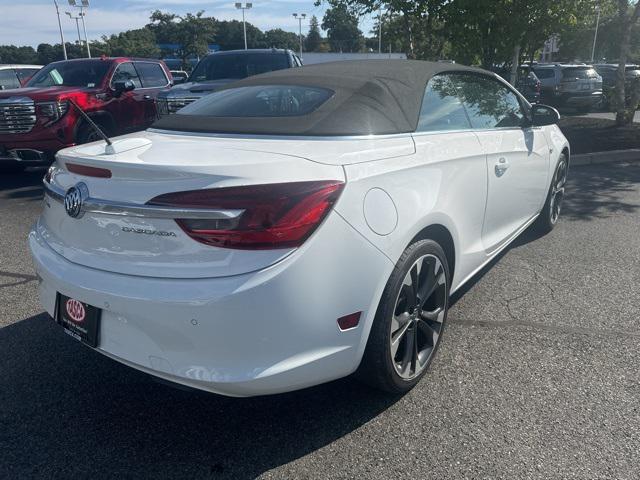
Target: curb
{"type": "Point", "coordinates": [605, 157]}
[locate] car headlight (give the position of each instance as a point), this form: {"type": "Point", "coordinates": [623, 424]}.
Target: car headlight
{"type": "Point", "coordinates": [52, 111]}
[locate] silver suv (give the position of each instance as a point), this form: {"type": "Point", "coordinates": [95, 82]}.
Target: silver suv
{"type": "Point", "coordinates": [570, 85]}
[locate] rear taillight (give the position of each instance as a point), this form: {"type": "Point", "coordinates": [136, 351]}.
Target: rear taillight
{"type": "Point", "coordinates": [281, 215]}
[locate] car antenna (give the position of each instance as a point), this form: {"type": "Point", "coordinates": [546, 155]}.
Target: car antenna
{"type": "Point", "coordinates": [109, 150]}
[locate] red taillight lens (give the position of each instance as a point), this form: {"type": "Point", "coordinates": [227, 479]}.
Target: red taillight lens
{"type": "Point", "coordinates": [88, 171]}
{"type": "Point", "coordinates": [281, 215]}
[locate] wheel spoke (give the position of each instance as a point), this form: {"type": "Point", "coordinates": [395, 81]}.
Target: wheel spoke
{"type": "Point", "coordinates": [414, 283]}
{"type": "Point", "coordinates": [408, 351]}
{"type": "Point", "coordinates": [397, 338]}
{"type": "Point", "coordinates": [414, 354]}
{"type": "Point", "coordinates": [430, 330]}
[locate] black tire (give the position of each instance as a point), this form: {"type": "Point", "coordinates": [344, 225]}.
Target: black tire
{"type": "Point", "coordinates": [86, 133]}
{"type": "Point", "coordinates": [379, 366]}
{"type": "Point", "coordinates": [548, 218]}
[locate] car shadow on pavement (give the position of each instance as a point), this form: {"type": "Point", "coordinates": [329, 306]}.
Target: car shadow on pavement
{"type": "Point", "coordinates": [600, 192]}
{"type": "Point", "coordinates": [25, 185]}
{"type": "Point", "coordinates": [69, 412]}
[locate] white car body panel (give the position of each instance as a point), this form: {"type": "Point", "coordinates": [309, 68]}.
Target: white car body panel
{"type": "Point", "coordinates": [256, 322]}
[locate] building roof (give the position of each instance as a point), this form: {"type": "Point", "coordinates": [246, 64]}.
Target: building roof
{"type": "Point", "coordinates": [370, 97]}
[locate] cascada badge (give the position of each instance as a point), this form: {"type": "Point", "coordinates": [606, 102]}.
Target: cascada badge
{"type": "Point", "coordinates": [74, 199]}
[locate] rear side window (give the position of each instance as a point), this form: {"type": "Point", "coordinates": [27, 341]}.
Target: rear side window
{"type": "Point", "coordinates": [488, 102]}
{"type": "Point", "coordinates": [151, 74]}
{"type": "Point", "coordinates": [8, 79]}
{"type": "Point", "coordinates": [260, 101]}
{"type": "Point", "coordinates": [544, 73]}
{"type": "Point", "coordinates": [124, 72]}
{"type": "Point", "coordinates": [442, 109]}
{"type": "Point", "coordinates": [25, 73]}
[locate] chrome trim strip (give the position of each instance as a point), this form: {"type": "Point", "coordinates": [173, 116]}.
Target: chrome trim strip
{"type": "Point", "coordinates": [123, 209]}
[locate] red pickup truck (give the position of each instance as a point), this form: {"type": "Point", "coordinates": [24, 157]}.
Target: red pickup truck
{"type": "Point", "coordinates": [119, 94]}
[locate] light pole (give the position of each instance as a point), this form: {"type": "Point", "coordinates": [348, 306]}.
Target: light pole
{"type": "Point", "coordinates": [243, 7]}
{"type": "Point", "coordinates": [64, 47]}
{"type": "Point", "coordinates": [77, 25]}
{"type": "Point", "coordinates": [595, 35]}
{"type": "Point", "coordinates": [300, 17]}
{"type": "Point", "coordinates": [380, 30]}
{"type": "Point", "coordinates": [83, 4]}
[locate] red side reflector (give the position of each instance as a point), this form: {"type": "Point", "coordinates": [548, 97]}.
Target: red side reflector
{"type": "Point", "coordinates": [89, 171]}
{"type": "Point", "coordinates": [349, 321]}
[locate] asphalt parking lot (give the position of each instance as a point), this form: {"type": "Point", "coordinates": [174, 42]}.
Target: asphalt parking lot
{"type": "Point", "coordinates": [538, 376]}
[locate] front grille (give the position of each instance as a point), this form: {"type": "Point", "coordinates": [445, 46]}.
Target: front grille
{"type": "Point", "coordinates": [175, 104]}
{"type": "Point", "coordinates": [17, 115]}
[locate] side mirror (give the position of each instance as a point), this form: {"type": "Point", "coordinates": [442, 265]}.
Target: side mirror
{"type": "Point", "coordinates": [542, 115]}
{"type": "Point", "coordinates": [122, 87]}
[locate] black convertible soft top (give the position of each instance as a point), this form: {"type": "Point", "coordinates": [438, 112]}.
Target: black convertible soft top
{"type": "Point", "coordinates": [371, 97]}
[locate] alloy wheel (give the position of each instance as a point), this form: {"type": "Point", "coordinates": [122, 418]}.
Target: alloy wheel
{"type": "Point", "coordinates": [557, 191]}
{"type": "Point", "coordinates": [418, 317]}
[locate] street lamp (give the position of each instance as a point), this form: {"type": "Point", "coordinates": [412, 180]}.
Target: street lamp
{"type": "Point", "coordinates": [243, 7]}
{"type": "Point", "coordinates": [83, 4]}
{"type": "Point", "coordinates": [64, 47]}
{"type": "Point", "coordinates": [300, 17]}
{"type": "Point", "coordinates": [71, 16]}
{"type": "Point", "coordinates": [595, 35]}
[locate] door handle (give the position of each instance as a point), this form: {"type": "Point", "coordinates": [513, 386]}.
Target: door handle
{"type": "Point", "coordinates": [501, 167]}
{"type": "Point", "coordinates": [147, 97]}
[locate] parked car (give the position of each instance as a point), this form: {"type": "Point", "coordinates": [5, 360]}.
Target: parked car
{"type": "Point", "coordinates": [298, 226]}
{"type": "Point", "coordinates": [15, 76]}
{"type": "Point", "coordinates": [609, 73]}
{"type": "Point", "coordinates": [179, 76]}
{"type": "Point", "coordinates": [220, 68]}
{"type": "Point", "coordinates": [570, 85]}
{"type": "Point", "coordinates": [527, 83]}
{"type": "Point", "coordinates": [38, 120]}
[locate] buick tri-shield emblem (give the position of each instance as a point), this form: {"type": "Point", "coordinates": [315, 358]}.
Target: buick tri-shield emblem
{"type": "Point", "coordinates": [74, 198]}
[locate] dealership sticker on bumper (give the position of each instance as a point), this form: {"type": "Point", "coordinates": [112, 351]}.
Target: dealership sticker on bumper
{"type": "Point", "coordinates": [78, 319]}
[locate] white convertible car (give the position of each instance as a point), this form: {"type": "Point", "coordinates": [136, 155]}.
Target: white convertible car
{"type": "Point", "coordinates": [298, 226]}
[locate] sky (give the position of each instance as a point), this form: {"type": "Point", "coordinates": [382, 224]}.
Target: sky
{"type": "Point", "coordinates": [30, 22]}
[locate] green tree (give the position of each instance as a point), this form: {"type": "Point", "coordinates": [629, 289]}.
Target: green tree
{"type": "Point", "coordinates": [278, 38]}
{"type": "Point", "coordinates": [132, 43]}
{"type": "Point", "coordinates": [192, 32]}
{"type": "Point", "coordinates": [13, 54]}
{"type": "Point", "coordinates": [342, 29]}
{"type": "Point", "coordinates": [628, 16]}
{"type": "Point", "coordinates": [229, 35]}
{"type": "Point", "coordinates": [314, 39]}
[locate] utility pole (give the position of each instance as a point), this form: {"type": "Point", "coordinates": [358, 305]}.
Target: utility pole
{"type": "Point", "coordinates": [83, 4]}
{"type": "Point", "coordinates": [300, 17]}
{"type": "Point", "coordinates": [243, 7]}
{"type": "Point", "coordinates": [380, 30]}
{"type": "Point", "coordinates": [64, 47]}
{"type": "Point", "coordinates": [595, 35]}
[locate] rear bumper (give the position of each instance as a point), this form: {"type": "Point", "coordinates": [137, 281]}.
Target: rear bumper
{"type": "Point", "coordinates": [580, 100]}
{"type": "Point", "coordinates": [259, 333]}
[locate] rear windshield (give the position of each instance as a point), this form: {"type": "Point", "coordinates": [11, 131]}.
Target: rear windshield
{"type": "Point", "coordinates": [579, 72]}
{"type": "Point", "coordinates": [259, 101]}
{"type": "Point", "coordinates": [220, 66]}
{"type": "Point", "coordinates": [88, 73]}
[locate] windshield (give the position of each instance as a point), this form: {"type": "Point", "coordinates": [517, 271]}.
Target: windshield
{"type": "Point", "coordinates": [259, 101]}
{"type": "Point", "coordinates": [71, 74]}
{"type": "Point", "coordinates": [221, 66]}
